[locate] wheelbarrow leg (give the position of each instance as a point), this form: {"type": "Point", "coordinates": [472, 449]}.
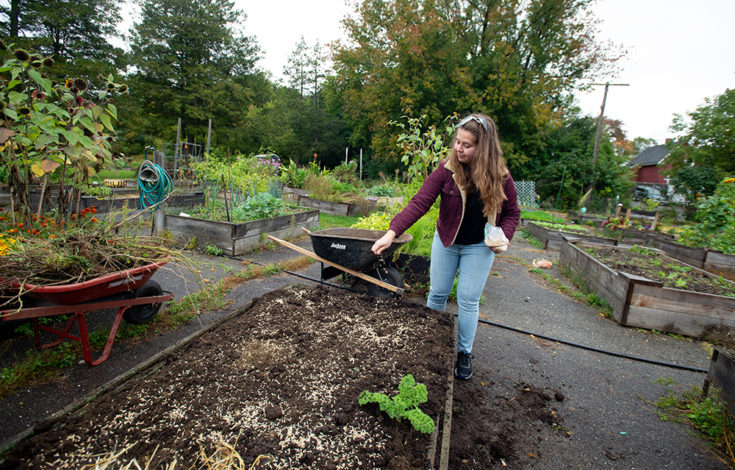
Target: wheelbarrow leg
{"type": "Point", "coordinates": [83, 337]}
{"type": "Point", "coordinates": [86, 350]}
{"type": "Point", "coordinates": [62, 334]}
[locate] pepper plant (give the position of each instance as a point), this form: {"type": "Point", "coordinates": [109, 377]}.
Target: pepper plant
{"type": "Point", "coordinates": [48, 128]}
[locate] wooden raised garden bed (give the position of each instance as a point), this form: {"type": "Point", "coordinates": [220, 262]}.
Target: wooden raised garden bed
{"type": "Point", "coordinates": [553, 239]}
{"type": "Point", "coordinates": [279, 382]}
{"type": "Point", "coordinates": [238, 238]}
{"type": "Point", "coordinates": [337, 208]}
{"type": "Point", "coordinates": [711, 260]}
{"type": "Point", "coordinates": [722, 375]}
{"type": "Point", "coordinates": [129, 198]}
{"type": "Point", "coordinates": [643, 302]}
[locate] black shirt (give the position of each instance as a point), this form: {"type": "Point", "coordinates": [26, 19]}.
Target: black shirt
{"type": "Point", "coordinates": [472, 229]}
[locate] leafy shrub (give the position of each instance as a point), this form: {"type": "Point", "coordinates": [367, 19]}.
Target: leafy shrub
{"type": "Point", "coordinates": [242, 173]}
{"type": "Point", "coordinates": [423, 148]}
{"type": "Point", "coordinates": [320, 187]}
{"type": "Point", "coordinates": [214, 250]}
{"type": "Point", "coordinates": [293, 176]}
{"type": "Point", "coordinates": [261, 206]}
{"type": "Point", "coordinates": [347, 173]}
{"type": "Point", "coordinates": [715, 220]}
{"type": "Point", "coordinates": [385, 190]}
{"type": "Point", "coordinates": [374, 221]}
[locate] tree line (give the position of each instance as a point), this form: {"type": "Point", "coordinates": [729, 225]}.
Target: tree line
{"type": "Point", "coordinates": [519, 62]}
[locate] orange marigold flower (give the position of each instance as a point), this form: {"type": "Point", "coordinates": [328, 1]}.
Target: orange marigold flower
{"type": "Point", "coordinates": [94, 219]}
{"type": "Point", "coordinates": [52, 236]}
{"type": "Point", "coordinates": [19, 225]}
{"type": "Point", "coordinates": [2, 218]}
{"type": "Point", "coordinates": [73, 217]}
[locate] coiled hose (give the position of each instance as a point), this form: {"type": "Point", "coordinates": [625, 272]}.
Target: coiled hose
{"type": "Point", "coordinates": [154, 185]}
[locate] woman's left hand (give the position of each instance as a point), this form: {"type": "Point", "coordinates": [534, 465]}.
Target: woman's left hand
{"type": "Point", "coordinates": [501, 249]}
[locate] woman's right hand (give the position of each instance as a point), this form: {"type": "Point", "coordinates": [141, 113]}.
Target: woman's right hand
{"type": "Point", "coordinates": [383, 242]}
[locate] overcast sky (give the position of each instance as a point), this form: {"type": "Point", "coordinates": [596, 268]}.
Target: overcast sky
{"type": "Point", "coordinates": [679, 52]}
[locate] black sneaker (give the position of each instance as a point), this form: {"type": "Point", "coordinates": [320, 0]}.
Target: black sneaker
{"type": "Point", "coordinates": [463, 369]}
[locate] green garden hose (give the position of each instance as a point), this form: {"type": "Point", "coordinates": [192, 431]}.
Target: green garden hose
{"type": "Point", "coordinates": [154, 185]}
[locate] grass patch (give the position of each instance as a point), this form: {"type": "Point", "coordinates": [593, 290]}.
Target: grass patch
{"type": "Point", "coordinates": [38, 367]}
{"type": "Point", "coordinates": [331, 220]}
{"type": "Point", "coordinates": [533, 241]}
{"type": "Point", "coordinates": [115, 175]}
{"type": "Point", "coordinates": [707, 415]}
{"type": "Point", "coordinates": [541, 216]}
{"type": "Point", "coordinates": [579, 294]}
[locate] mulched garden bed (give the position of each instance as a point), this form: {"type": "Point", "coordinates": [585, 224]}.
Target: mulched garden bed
{"type": "Point", "coordinates": [279, 382]}
{"type": "Point", "coordinates": [651, 264]}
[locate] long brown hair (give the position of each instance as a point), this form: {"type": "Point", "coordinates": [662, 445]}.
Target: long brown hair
{"type": "Point", "coordinates": [487, 171]}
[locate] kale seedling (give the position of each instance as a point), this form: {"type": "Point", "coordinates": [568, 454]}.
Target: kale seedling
{"type": "Point", "coordinates": [404, 405]}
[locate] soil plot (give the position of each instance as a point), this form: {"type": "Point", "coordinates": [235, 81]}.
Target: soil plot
{"type": "Point", "coordinates": [651, 264]}
{"type": "Point", "coordinates": [280, 382]}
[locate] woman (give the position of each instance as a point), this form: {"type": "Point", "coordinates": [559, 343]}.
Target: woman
{"type": "Point", "coordinates": [475, 188]}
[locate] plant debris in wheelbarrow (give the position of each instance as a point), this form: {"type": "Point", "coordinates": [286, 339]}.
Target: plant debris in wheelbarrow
{"type": "Point", "coordinates": [74, 257]}
{"type": "Point", "coordinates": [277, 384]}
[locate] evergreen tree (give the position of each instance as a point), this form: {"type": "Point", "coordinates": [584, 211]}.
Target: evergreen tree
{"type": "Point", "coordinates": [192, 62]}
{"type": "Point", "coordinates": [62, 29]}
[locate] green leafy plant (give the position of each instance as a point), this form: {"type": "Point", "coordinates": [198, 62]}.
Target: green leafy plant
{"type": "Point", "coordinates": [382, 190]}
{"type": "Point", "coordinates": [260, 206]}
{"type": "Point", "coordinates": [715, 220]}
{"type": "Point", "coordinates": [708, 415]}
{"type": "Point", "coordinates": [403, 405]}
{"type": "Point", "coordinates": [293, 176]}
{"type": "Point", "coordinates": [423, 148]}
{"type": "Point", "coordinates": [347, 173]}
{"type": "Point", "coordinates": [214, 250]}
{"type": "Point", "coordinates": [51, 128]}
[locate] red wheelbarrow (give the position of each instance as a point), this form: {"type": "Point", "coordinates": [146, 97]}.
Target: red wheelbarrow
{"type": "Point", "coordinates": [131, 292]}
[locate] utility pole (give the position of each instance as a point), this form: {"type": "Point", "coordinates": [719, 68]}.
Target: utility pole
{"type": "Point", "coordinates": [602, 118]}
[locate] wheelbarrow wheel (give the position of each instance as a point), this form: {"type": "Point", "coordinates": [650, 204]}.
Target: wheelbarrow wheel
{"type": "Point", "coordinates": [138, 314]}
{"type": "Point", "coordinates": [387, 274]}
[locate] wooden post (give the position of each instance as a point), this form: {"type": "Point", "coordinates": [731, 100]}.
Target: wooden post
{"type": "Point", "coordinates": [159, 216]}
{"type": "Point", "coordinates": [655, 222]}
{"type": "Point", "coordinates": [209, 134]}
{"type": "Point", "coordinates": [176, 149]}
{"type": "Point", "coordinates": [617, 210]}
{"type": "Point", "coordinates": [347, 152]}
{"type": "Point", "coordinates": [627, 214]}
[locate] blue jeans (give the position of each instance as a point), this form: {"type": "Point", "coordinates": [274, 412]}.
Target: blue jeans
{"type": "Point", "coordinates": [474, 263]}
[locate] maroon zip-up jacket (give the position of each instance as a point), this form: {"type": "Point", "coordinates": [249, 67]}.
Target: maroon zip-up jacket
{"type": "Point", "coordinates": [451, 206]}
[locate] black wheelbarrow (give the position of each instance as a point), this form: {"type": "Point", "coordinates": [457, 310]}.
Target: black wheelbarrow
{"type": "Point", "coordinates": [348, 251]}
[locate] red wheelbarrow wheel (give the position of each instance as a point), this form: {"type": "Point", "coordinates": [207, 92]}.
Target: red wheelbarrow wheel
{"type": "Point", "coordinates": [138, 314]}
